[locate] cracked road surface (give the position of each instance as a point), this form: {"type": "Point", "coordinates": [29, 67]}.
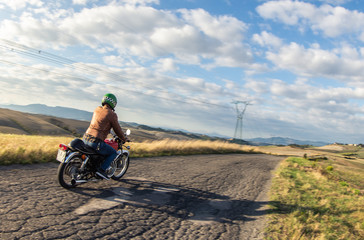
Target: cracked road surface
{"type": "Point", "coordinates": [179, 197]}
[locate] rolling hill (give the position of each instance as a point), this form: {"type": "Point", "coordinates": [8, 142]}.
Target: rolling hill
{"type": "Point", "coordinates": [285, 141]}
{"type": "Point", "coordinates": [62, 112]}
{"type": "Point", "coordinates": [15, 122]}
{"type": "Point", "coordinates": [33, 124]}
{"type": "Point", "coordinates": [40, 119]}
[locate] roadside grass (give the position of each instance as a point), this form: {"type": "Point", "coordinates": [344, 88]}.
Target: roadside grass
{"type": "Point", "coordinates": [168, 147]}
{"type": "Point", "coordinates": [348, 165]}
{"type": "Point", "coordinates": [25, 149]}
{"type": "Point", "coordinates": [317, 200]}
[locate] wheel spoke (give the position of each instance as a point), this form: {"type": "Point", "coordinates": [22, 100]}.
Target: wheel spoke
{"type": "Point", "coordinates": [121, 166]}
{"type": "Point", "coordinates": [69, 171]}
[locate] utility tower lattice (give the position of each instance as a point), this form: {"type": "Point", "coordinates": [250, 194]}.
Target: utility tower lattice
{"type": "Point", "coordinates": [239, 121]}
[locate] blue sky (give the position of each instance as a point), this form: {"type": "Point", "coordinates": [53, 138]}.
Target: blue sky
{"type": "Point", "coordinates": [181, 64]}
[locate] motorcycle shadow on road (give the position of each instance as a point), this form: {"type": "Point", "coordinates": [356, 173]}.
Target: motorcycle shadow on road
{"type": "Point", "coordinates": [186, 203]}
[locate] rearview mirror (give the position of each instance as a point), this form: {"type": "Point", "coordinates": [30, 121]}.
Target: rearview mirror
{"type": "Point", "coordinates": [127, 132]}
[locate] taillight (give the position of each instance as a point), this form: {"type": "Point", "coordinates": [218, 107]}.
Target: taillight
{"type": "Point", "coordinates": [63, 147]}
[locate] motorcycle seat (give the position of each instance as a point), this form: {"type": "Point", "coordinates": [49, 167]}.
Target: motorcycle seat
{"type": "Point", "coordinates": [80, 146]}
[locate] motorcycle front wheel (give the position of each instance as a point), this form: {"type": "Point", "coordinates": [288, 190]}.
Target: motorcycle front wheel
{"type": "Point", "coordinates": [122, 165]}
{"type": "Point", "coordinates": [67, 172]}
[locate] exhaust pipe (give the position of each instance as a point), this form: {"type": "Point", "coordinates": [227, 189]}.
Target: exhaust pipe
{"type": "Point", "coordinates": [74, 181]}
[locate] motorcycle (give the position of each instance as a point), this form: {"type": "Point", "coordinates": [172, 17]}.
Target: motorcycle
{"type": "Point", "coordinates": [79, 162]}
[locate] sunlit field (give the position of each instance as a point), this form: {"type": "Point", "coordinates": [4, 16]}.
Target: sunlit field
{"type": "Point", "coordinates": [317, 199]}
{"type": "Point", "coordinates": [169, 147]}
{"type": "Point", "coordinates": [24, 149]}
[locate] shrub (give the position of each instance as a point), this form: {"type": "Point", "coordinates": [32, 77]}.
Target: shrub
{"type": "Point", "coordinates": [344, 184]}
{"type": "Point", "coordinates": [330, 168]}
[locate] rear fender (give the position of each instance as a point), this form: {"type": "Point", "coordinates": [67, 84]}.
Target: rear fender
{"type": "Point", "coordinates": [70, 156]}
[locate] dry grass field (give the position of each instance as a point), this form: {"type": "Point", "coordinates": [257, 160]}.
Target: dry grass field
{"type": "Point", "coordinates": [23, 149]}
{"type": "Point", "coordinates": [347, 161]}
{"type": "Point", "coordinates": [317, 193]}
{"type": "Point", "coordinates": [185, 147]}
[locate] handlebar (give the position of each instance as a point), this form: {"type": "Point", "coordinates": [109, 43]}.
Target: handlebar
{"type": "Point", "coordinates": [117, 139]}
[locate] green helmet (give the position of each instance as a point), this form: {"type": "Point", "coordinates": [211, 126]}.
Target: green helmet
{"type": "Point", "coordinates": [110, 99]}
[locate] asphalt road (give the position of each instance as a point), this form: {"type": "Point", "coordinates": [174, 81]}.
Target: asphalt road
{"type": "Point", "coordinates": [184, 197]}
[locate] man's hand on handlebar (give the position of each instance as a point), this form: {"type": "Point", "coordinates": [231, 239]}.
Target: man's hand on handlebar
{"type": "Point", "coordinates": [119, 140]}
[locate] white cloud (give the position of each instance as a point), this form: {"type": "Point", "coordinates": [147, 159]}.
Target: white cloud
{"type": "Point", "coordinates": [223, 28]}
{"type": "Point", "coordinates": [230, 84]}
{"type": "Point", "coordinates": [332, 21]}
{"type": "Point", "coordinates": [166, 65]}
{"type": "Point", "coordinates": [336, 2]}
{"type": "Point", "coordinates": [267, 39]}
{"type": "Point", "coordinates": [119, 61]}
{"type": "Point", "coordinates": [19, 4]}
{"type": "Point", "coordinates": [259, 87]}
{"type": "Point", "coordinates": [79, 2]}
{"type": "Point", "coordinates": [325, 103]}
{"type": "Point", "coordinates": [281, 89]}
{"type": "Point", "coordinates": [344, 64]}
{"type": "Point", "coordinates": [34, 32]}
{"type": "Point", "coordinates": [328, 109]}
{"type": "Point", "coordinates": [186, 39]}
{"type": "Point", "coordinates": [142, 2]}
{"type": "Point", "coordinates": [288, 12]}
{"type": "Point", "coordinates": [139, 30]}
{"type": "Point", "coordinates": [226, 36]}
{"type": "Point", "coordinates": [336, 21]}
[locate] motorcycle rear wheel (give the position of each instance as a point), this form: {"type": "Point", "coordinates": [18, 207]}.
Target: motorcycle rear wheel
{"type": "Point", "coordinates": [67, 172]}
{"type": "Point", "coordinates": [121, 167]}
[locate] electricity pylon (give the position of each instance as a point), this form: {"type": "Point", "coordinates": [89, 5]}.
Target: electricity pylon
{"type": "Point", "coordinates": [239, 121]}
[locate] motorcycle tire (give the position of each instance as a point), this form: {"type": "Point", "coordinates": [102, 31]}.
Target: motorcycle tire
{"type": "Point", "coordinates": [122, 167]}
{"type": "Point", "coordinates": [65, 171]}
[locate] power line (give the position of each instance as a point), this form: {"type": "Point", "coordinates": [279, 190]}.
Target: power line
{"type": "Point", "coordinates": [43, 55]}
{"type": "Point", "coordinates": [115, 86]}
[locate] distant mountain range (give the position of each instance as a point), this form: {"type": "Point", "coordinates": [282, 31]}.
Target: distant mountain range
{"type": "Point", "coordinates": [62, 112]}
{"type": "Point", "coordinates": [285, 141]}
{"type": "Point", "coordinates": [75, 114]}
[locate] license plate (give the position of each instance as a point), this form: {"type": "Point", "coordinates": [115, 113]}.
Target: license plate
{"type": "Point", "coordinates": [61, 155]}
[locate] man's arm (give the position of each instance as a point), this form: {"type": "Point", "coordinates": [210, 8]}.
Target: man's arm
{"type": "Point", "coordinates": [117, 129]}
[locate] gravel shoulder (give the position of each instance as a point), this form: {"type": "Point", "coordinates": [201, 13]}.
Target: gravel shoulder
{"type": "Point", "coordinates": [179, 197]}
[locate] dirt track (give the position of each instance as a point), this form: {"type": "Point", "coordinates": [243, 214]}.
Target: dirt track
{"type": "Point", "coordinates": [189, 197]}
